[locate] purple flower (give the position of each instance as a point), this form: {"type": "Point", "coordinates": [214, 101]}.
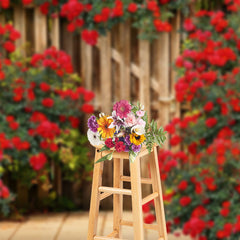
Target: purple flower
{"type": "Point", "coordinates": [136, 148]}
{"type": "Point", "coordinates": [127, 140]}
{"type": "Point", "coordinates": [92, 123]}
{"type": "Point", "coordinates": [122, 108]}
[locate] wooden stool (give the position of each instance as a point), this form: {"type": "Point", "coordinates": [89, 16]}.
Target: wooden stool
{"type": "Point", "coordinates": [100, 192]}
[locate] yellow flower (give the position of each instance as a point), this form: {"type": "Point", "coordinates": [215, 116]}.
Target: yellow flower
{"type": "Point", "coordinates": [104, 129]}
{"type": "Point", "coordinates": [137, 139]}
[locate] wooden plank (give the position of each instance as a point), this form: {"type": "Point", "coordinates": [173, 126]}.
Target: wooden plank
{"type": "Point", "coordinates": [150, 197]}
{"type": "Point", "coordinates": [135, 70]}
{"type": "Point", "coordinates": [137, 199]}
{"type": "Point", "coordinates": [55, 32]}
{"type": "Point", "coordinates": [175, 52]}
{"type": "Point", "coordinates": [104, 195]}
{"type": "Point", "coordinates": [144, 56]}
{"type": "Point", "coordinates": [116, 56]}
{"type": "Point", "coordinates": [143, 180]}
{"type": "Point", "coordinates": [107, 238]}
{"type": "Point", "coordinates": [19, 22]}
{"type": "Point", "coordinates": [146, 226]}
{"type": "Point", "coordinates": [125, 49]}
{"type": "Point", "coordinates": [117, 199]}
{"type": "Point", "coordinates": [158, 201]}
{"type": "Point", "coordinates": [161, 73]}
{"type": "Point", "coordinates": [87, 65]}
{"type": "Point", "coordinates": [95, 197]}
{"type": "Point", "coordinates": [115, 190]}
{"type": "Point", "coordinates": [40, 30]}
{"type": "Point", "coordinates": [105, 73]}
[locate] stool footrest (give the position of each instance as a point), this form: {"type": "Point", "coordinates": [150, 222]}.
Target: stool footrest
{"type": "Point", "coordinates": [104, 195]}
{"type": "Point", "coordinates": [147, 226]}
{"type": "Point", "coordinates": [150, 197]}
{"type": "Point", "coordinates": [107, 238]}
{"type": "Point", "coordinates": [115, 190]}
{"type": "Point", "coordinates": [143, 180]}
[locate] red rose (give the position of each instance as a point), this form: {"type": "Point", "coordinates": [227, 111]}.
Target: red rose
{"type": "Point", "coordinates": [208, 106]}
{"type": "Point", "coordinates": [119, 146]}
{"type": "Point", "coordinates": [5, 192]}
{"type": "Point", "coordinates": [152, 6]}
{"type": "Point", "coordinates": [183, 185]}
{"type": "Point", "coordinates": [90, 36]}
{"type": "Point", "coordinates": [14, 125]}
{"type": "Point", "coordinates": [5, 4]}
{"type": "Point", "coordinates": [150, 218]}
{"type": "Point", "coordinates": [53, 147]}
{"type": "Point", "coordinates": [87, 108]}
{"type": "Point", "coordinates": [26, 2]}
{"type": "Point", "coordinates": [224, 212]}
{"type": "Point", "coordinates": [9, 46]}
{"type": "Point", "coordinates": [184, 201]}
{"type": "Point", "coordinates": [47, 102]}
{"type": "Point", "coordinates": [211, 122]}
{"type": "Point", "coordinates": [109, 143]}
{"type": "Point", "coordinates": [146, 208]}
{"type": "Point", "coordinates": [175, 140]}
{"type": "Point", "coordinates": [44, 87]}
{"type": "Point", "coordinates": [132, 7]}
{"type": "Point", "coordinates": [188, 25]}
{"type": "Point", "coordinates": [74, 121]}
{"type": "Point", "coordinates": [88, 96]}
{"type": "Point", "coordinates": [10, 118]}
{"type": "Point", "coordinates": [38, 161]}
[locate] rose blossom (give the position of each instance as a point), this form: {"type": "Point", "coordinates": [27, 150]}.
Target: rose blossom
{"type": "Point", "coordinates": [130, 120]}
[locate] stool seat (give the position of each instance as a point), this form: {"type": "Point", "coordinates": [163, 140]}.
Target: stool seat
{"type": "Point", "coordinates": [100, 192]}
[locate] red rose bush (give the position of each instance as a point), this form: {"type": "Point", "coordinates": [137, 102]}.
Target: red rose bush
{"type": "Point", "coordinates": [41, 103]}
{"type": "Point", "coordinates": [202, 178]}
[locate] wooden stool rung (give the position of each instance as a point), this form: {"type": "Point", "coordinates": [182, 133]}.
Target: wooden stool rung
{"type": "Point", "coordinates": [150, 197]}
{"type": "Point", "coordinates": [104, 195]}
{"type": "Point", "coordinates": [107, 238]}
{"type": "Point", "coordinates": [115, 190]}
{"type": "Point", "coordinates": [143, 180]}
{"type": "Point", "coordinates": [145, 225]}
{"type": "Point", "coordinates": [112, 234]}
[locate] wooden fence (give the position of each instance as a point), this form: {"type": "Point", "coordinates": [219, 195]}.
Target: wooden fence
{"type": "Point", "coordinates": [119, 67]}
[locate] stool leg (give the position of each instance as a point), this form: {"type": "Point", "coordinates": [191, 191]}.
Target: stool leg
{"type": "Point", "coordinates": [117, 198]}
{"type": "Point", "coordinates": [137, 199]}
{"type": "Point", "coordinates": [94, 206]}
{"type": "Point", "coordinates": [156, 184]}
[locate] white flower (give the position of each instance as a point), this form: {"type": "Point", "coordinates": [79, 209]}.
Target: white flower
{"type": "Point", "coordinates": [141, 122]}
{"type": "Point", "coordinates": [138, 129]}
{"type": "Point", "coordinates": [94, 138]}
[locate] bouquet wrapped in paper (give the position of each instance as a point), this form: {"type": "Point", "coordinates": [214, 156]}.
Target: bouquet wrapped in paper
{"type": "Point", "coordinates": [126, 130]}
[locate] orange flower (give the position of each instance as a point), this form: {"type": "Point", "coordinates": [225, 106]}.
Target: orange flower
{"type": "Point", "coordinates": [104, 129]}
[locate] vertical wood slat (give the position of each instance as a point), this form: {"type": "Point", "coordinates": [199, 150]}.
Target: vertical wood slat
{"type": "Point", "coordinates": [55, 32]}
{"type": "Point", "coordinates": [117, 198]}
{"type": "Point", "coordinates": [175, 52]}
{"type": "Point", "coordinates": [40, 30]}
{"type": "Point", "coordinates": [125, 49]}
{"type": "Point", "coordinates": [86, 65]}
{"type": "Point", "coordinates": [105, 73]}
{"type": "Point", "coordinates": [19, 22]}
{"type": "Point", "coordinates": [144, 58]}
{"type": "Point", "coordinates": [106, 98]}
{"type": "Point", "coordinates": [162, 75]}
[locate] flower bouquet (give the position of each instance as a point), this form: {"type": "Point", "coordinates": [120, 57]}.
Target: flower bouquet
{"type": "Point", "coordinates": [126, 130]}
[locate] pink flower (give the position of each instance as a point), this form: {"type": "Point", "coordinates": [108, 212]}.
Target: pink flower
{"type": "Point", "coordinates": [131, 120]}
{"type": "Point", "coordinates": [140, 113]}
{"type": "Point", "coordinates": [122, 108]}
